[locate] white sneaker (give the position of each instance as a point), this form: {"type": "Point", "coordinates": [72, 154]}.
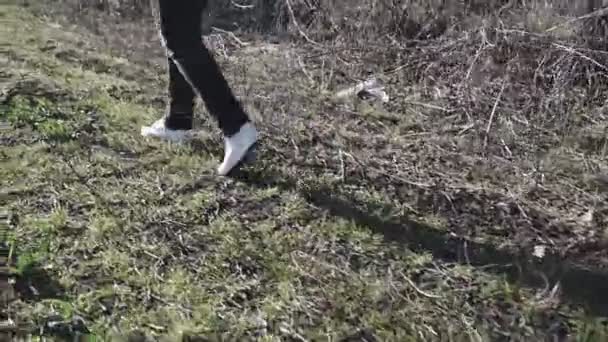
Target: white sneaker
{"type": "Point", "coordinates": [238, 148]}
{"type": "Point", "coordinates": [159, 130]}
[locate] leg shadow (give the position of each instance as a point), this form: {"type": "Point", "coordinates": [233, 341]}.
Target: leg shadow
{"type": "Point", "coordinates": [579, 285]}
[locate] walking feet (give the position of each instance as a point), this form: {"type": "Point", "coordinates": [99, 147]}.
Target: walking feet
{"type": "Point", "coordinates": [238, 148]}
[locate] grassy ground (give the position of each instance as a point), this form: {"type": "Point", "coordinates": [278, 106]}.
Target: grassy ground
{"type": "Point", "coordinates": [359, 222]}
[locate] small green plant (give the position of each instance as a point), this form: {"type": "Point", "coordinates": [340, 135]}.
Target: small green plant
{"type": "Point", "coordinates": [40, 115]}
{"type": "Point", "coordinates": [56, 130]}
{"type": "Point", "coordinates": [27, 262]}
{"type": "Point", "coordinates": [25, 110]}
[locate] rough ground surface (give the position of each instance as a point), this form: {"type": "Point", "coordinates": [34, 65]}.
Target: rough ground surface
{"type": "Point", "coordinates": [359, 222]}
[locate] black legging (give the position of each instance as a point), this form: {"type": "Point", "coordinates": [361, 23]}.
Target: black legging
{"type": "Point", "coordinates": [193, 68]}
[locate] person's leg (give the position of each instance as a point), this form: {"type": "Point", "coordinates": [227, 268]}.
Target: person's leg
{"type": "Point", "coordinates": [181, 26]}
{"type": "Point", "coordinates": [180, 112]}
{"type": "Point", "coordinates": [178, 119]}
{"type": "Point", "coordinates": [181, 31]}
{"type": "Point", "coordinates": [179, 116]}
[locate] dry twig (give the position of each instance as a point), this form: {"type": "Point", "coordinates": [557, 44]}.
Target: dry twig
{"type": "Point", "coordinates": [485, 140]}
{"type": "Point", "coordinates": [297, 25]}
{"type": "Point", "coordinates": [423, 293]}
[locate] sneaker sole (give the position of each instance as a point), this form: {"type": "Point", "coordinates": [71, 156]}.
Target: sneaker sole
{"type": "Point", "coordinates": [147, 132]}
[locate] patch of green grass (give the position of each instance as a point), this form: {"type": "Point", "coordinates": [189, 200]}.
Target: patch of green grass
{"type": "Point", "coordinates": [22, 111]}
{"type": "Point", "coordinates": [53, 123]}
{"type": "Point", "coordinates": [26, 262]}
{"type": "Point", "coordinates": [56, 131]}
{"type": "Point", "coordinates": [40, 244]}
{"type": "Point", "coordinates": [101, 226]}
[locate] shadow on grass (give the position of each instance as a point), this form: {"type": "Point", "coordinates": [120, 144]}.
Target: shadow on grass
{"type": "Point", "coordinates": [579, 286]}
{"type": "Point", "coordinates": [35, 284]}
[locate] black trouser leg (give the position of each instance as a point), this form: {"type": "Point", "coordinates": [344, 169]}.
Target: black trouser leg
{"type": "Point", "coordinates": [181, 29]}
{"type": "Point", "coordinates": [181, 100]}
